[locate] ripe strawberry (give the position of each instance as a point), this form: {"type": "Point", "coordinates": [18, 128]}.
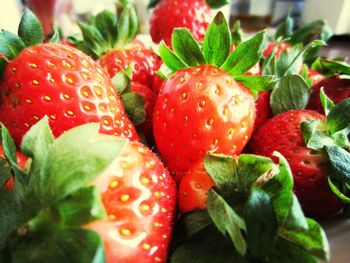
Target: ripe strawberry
{"type": "Point", "coordinates": [280, 48]}
{"type": "Point", "coordinates": [138, 195]}
{"type": "Point", "coordinates": [170, 14]}
{"type": "Point", "coordinates": [21, 161]}
{"type": "Point", "coordinates": [201, 107]}
{"type": "Point", "coordinates": [263, 109]}
{"type": "Point", "coordinates": [193, 189]}
{"type": "Point", "coordinates": [336, 88]}
{"type": "Point", "coordinates": [64, 84]}
{"type": "Point", "coordinates": [123, 196]}
{"type": "Point", "coordinates": [309, 167]}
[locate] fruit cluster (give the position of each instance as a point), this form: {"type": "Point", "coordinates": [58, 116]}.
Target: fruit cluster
{"type": "Point", "coordinates": [213, 148]}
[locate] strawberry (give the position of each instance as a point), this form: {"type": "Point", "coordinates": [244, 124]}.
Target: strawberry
{"type": "Point", "coordinates": [62, 83]}
{"type": "Point", "coordinates": [336, 88]}
{"type": "Point", "coordinates": [116, 52]}
{"type": "Point", "coordinates": [279, 49]}
{"type": "Point", "coordinates": [310, 167]}
{"type": "Point", "coordinates": [119, 209]}
{"type": "Point", "coordinates": [193, 189]}
{"type": "Point", "coordinates": [170, 14]}
{"type": "Point", "coordinates": [201, 107]}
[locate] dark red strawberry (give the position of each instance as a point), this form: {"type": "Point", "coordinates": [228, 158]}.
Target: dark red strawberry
{"type": "Point", "coordinates": [263, 109]}
{"type": "Point", "coordinates": [62, 83]}
{"type": "Point", "coordinates": [310, 168]}
{"type": "Point", "coordinates": [194, 15]}
{"type": "Point", "coordinates": [336, 88]}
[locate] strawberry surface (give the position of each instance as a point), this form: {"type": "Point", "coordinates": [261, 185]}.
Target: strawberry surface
{"type": "Point", "coordinates": [310, 168]}
{"type": "Point", "coordinates": [64, 84]}
{"type": "Point", "coordinates": [139, 197]}
{"type": "Point", "coordinates": [170, 14]}
{"type": "Point", "coordinates": [335, 88]}
{"type": "Point", "coordinates": [199, 110]}
{"type": "Point", "coordinates": [144, 63]}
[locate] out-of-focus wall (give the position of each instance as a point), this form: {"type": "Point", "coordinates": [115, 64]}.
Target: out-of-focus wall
{"type": "Point", "coordinates": [9, 15]}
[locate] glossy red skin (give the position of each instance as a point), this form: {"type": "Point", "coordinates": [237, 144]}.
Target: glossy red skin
{"type": "Point", "coordinates": [280, 48]}
{"type": "Point", "coordinates": [263, 109]}
{"type": "Point", "coordinates": [139, 196]}
{"type": "Point", "coordinates": [198, 110]}
{"type": "Point", "coordinates": [144, 63]}
{"type": "Point", "coordinates": [150, 101]}
{"type": "Point", "coordinates": [315, 76]}
{"type": "Point", "coordinates": [64, 84]}
{"type": "Point", "coordinates": [282, 133]}
{"type": "Point", "coordinates": [21, 161]}
{"type": "Point", "coordinates": [335, 88]}
{"type": "Point", "coordinates": [195, 15]}
{"type": "Point", "coordinates": [193, 189]}
{"type": "Point", "coordinates": [157, 83]}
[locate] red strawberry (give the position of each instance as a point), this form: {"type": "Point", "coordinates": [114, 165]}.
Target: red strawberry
{"type": "Point", "coordinates": [170, 14]}
{"type": "Point", "coordinates": [139, 197]}
{"type": "Point", "coordinates": [199, 110]}
{"type": "Point", "coordinates": [64, 84]}
{"type": "Point", "coordinates": [280, 48]}
{"type": "Point", "coordinates": [315, 76]}
{"type": "Point", "coordinates": [335, 88]}
{"type": "Point", "coordinates": [309, 167]}
{"type": "Point", "coordinates": [263, 109]}
{"type": "Point", "coordinates": [21, 161]}
{"type": "Point", "coordinates": [193, 189]}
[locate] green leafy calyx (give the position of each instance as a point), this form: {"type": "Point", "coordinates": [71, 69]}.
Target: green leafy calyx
{"type": "Point", "coordinates": [252, 215]}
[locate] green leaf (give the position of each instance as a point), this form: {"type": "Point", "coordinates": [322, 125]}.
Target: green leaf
{"type": "Point", "coordinates": [236, 33]}
{"type": "Point", "coordinates": [285, 29]}
{"type": "Point", "coordinates": [9, 210]}
{"type": "Point", "coordinates": [187, 48]}
{"type": "Point", "coordinates": [93, 40]}
{"type": "Point", "coordinates": [122, 81]}
{"type": "Point", "coordinates": [74, 159]}
{"type": "Point", "coordinates": [169, 58]}
{"type": "Point", "coordinates": [257, 83]}
{"type": "Point", "coordinates": [62, 245]}
{"type": "Point", "coordinates": [314, 138]}
{"type": "Point", "coordinates": [336, 189]}
{"type": "Point", "coordinates": [152, 3]}
{"type": "Point", "coordinates": [35, 144]}
{"type": "Point", "coordinates": [287, 252]}
{"type": "Point", "coordinates": [127, 25]}
{"type": "Point", "coordinates": [339, 160]}
{"type": "Point", "coordinates": [327, 103]}
{"type": "Point", "coordinates": [56, 36]}
{"type": "Point", "coordinates": [254, 170]}
{"type": "Point", "coordinates": [10, 46]}
{"type": "Point", "coordinates": [291, 93]}
{"type": "Point", "coordinates": [21, 178]}
{"type": "Point", "coordinates": [208, 246]}
{"type": "Point", "coordinates": [81, 207]}
{"type": "Point", "coordinates": [5, 172]}
{"type": "Point", "coordinates": [262, 225]}
{"type": "Point", "coordinates": [217, 41]}
{"type": "Point", "coordinates": [106, 23]}
{"type": "Point", "coordinates": [330, 68]}
{"type": "Point", "coordinates": [246, 55]}
{"type": "Point", "coordinates": [313, 240]}
{"type": "Point", "coordinates": [289, 212]}
{"type": "Point", "coordinates": [269, 66]}
{"type": "Point", "coordinates": [226, 220]}
{"type": "Point", "coordinates": [339, 118]}
{"type": "Point", "coordinates": [222, 170]}
{"type": "Point", "coordinates": [30, 30]}
{"type": "Point", "coordinates": [217, 3]}
{"type": "Point", "coordinates": [315, 30]}
{"type": "Point", "coordinates": [134, 105]}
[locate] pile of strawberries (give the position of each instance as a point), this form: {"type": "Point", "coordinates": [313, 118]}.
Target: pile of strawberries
{"type": "Point", "coordinates": [212, 148]}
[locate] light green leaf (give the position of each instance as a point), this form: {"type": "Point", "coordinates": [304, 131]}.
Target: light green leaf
{"type": "Point", "coordinates": [257, 83]}
{"type": "Point", "coordinates": [187, 48]}
{"type": "Point", "coordinates": [30, 30]}
{"type": "Point", "coordinates": [169, 58]}
{"type": "Point", "coordinates": [339, 117]}
{"type": "Point", "coordinates": [217, 41]}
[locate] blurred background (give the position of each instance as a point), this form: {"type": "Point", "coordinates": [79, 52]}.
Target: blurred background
{"type": "Point", "coordinates": [253, 15]}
